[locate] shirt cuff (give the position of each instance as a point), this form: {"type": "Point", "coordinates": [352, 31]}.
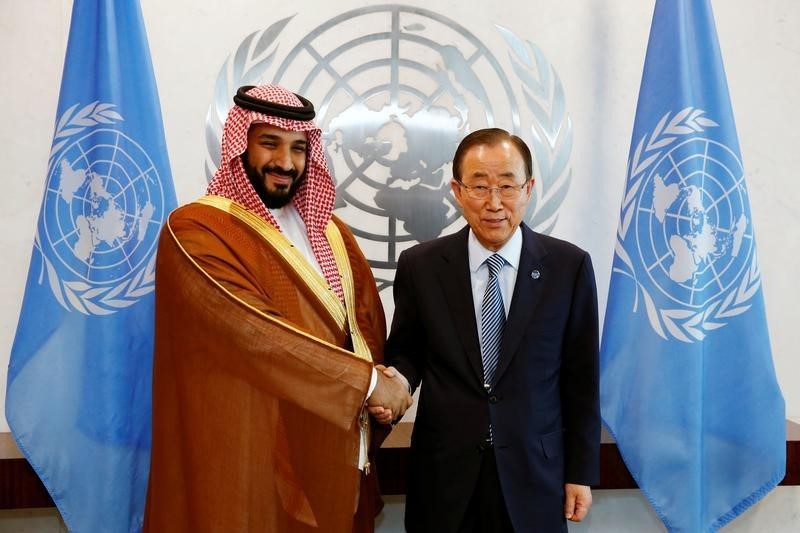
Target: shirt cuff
{"type": "Point", "coordinates": [372, 382]}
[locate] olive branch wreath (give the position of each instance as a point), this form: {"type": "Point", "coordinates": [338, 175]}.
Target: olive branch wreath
{"type": "Point", "coordinates": [682, 324]}
{"type": "Point", "coordinates": [79, 295]}
{"type": "Point", "coordinates": [73, 122]}
{"type": "Point", "coordinates": [244, 67]}
{"type": "Point", "coordinates": [550, 132]}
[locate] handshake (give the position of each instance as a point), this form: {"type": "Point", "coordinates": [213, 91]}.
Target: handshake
{"type": "Point", "coordinates": [390, 398]}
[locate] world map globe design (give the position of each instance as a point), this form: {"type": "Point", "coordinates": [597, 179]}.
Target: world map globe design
{"type": "Point", "coordinates": [101, 213]}
{"type": "Point", "coordinates": [394, 99]}
{"type": "Point", "coordinates": [693, 228]}
{"type": "Point", "coordinates": [395, 89]}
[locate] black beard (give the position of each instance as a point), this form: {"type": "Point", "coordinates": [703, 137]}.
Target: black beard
{"type": "Point", "coordinates": [272, 199]}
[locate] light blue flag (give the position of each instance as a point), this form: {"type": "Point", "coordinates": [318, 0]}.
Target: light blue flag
{"type": "Point", "coordinates": [79, 380]}
{"type": "Point", "coordinates": [688, 387]}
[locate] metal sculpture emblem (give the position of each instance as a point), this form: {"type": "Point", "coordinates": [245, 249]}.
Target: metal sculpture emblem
{"type": "Point", "coordinates": [396, 88]}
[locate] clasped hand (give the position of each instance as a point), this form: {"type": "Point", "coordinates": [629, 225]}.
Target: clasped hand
{"type": "Point", "coordinates": [390, 399]}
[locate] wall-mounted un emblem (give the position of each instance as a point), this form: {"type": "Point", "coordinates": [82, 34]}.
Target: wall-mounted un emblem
{"type": "Point", "coordinates": [101, 214]}
{"type": "Point", "coordinates": [396, 88]}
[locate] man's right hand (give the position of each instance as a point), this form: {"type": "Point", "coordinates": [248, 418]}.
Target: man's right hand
{"type": "Point", "coordinates": [390, 399]}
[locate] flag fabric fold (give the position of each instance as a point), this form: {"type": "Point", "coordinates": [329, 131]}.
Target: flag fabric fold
{"type": "Point", "coordinates": [688, 387]}
{"type": "Point", "coordinates": [78, 399]}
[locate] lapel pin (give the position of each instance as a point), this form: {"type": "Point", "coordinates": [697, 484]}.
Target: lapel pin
{"type": "Point", "coordinates": [535, 274]}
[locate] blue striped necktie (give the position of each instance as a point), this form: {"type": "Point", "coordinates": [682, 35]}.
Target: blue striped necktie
{"type": "Point", "coordinates": [493, 320]}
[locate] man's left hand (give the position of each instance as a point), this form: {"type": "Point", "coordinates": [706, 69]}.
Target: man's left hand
{"type": "Point", "coordinates": [579, 499]}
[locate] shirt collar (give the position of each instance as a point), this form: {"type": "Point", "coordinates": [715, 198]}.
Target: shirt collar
{"type": "Point", "coordinates": [510, 251]}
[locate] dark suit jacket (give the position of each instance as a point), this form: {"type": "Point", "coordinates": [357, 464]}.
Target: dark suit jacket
{"type": "Point", "coordinates": [543, 406]}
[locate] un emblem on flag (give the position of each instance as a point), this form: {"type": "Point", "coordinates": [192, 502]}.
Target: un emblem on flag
{"type": "Point", "coordinates": [101, 214]}
{"type": "Point", "coordinates": [692, 251]}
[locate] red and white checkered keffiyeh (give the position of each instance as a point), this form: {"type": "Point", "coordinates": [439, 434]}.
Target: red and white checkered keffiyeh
{"type": "Point", "coordinates": [314, 199]}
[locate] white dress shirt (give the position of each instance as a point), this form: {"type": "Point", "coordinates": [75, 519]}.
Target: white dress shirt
{"type": "Point", "coordinates": [479, 271]}
{"type": "Point", "coordinates": [293, 228]}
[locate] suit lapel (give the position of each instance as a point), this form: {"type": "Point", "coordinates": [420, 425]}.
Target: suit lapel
{"type": "Point", "coordinates": [455, 279]}
{"type": "Point", "coordinates": [527, 291]}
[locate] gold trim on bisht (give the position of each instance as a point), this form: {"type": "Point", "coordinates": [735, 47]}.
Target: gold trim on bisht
{"type": "Point", "coordinates": [343, 314]}
{"type": "Point", "coordinates": [360, 346]}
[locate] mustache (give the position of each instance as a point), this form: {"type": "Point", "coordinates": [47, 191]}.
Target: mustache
{"type": "Point", "coordinates": [291, 173]}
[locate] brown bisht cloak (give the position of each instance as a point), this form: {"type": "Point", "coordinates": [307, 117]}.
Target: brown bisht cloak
{"type": "Point", "coordinates": [257, 393]}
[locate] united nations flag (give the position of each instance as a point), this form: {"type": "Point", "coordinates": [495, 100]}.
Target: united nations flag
{"type": "Point", "coordinates": [688, 387]}
{"type": "Point", "coordinates": [79, 380]}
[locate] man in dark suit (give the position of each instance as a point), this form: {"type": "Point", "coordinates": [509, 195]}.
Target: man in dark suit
{"type": "Point", "coordinates": [507, 431]}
